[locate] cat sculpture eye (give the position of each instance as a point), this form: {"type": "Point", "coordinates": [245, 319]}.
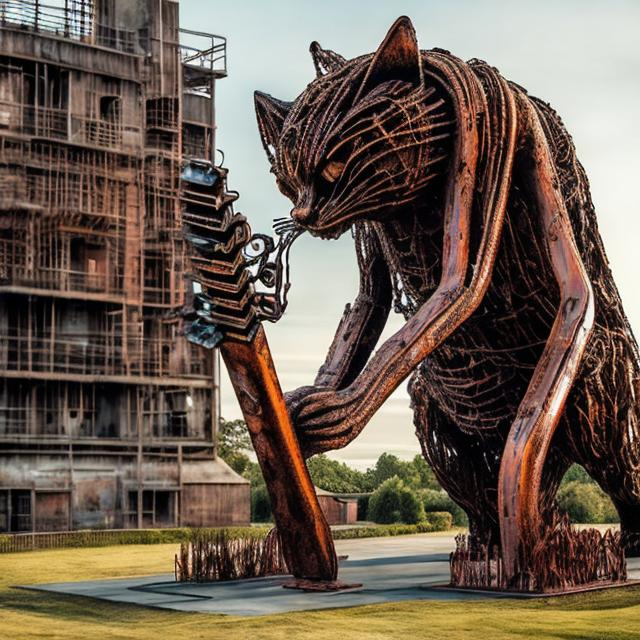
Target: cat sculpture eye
{"type": "Point", "coordinates": [332, 171]}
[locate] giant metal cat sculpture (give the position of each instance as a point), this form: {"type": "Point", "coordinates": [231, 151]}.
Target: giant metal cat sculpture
{"type": "Point", "coordinates": [472, 217]}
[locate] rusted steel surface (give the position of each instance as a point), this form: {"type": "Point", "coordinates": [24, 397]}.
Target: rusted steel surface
{"type": "Point", "coordinates": [228, 312]}
{"type": "Point", "coordinates": [307, 541]}
{"type": "Point", "coordinates": [472, 217]}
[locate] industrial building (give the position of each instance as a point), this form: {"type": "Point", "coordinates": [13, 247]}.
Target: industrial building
{"type": "Point", "coordinates": [107, 414]}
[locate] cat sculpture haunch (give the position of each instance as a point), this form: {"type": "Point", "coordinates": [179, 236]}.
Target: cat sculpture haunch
{"type": "Point", "coordinates": [472, 217]}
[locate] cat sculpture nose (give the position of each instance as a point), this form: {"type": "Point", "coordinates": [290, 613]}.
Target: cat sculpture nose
{"type": "Point", "coordinates": [301, 214]}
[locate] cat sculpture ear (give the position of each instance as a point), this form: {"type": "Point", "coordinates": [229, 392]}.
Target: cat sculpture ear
{"type": "Point", "coordinates": [397, 58]}
{"type": "Point", "coordinates": [324, 60]}
{"type": "Point", "coordinates": [271, 114]}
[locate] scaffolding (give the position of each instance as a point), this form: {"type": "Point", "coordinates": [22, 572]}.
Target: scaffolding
{"type": "Point", "coordinates": [74, 19]}
{"type": "Point", "coordinates": [92, 262]}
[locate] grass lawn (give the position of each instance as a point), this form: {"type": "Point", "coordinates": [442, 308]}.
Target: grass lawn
{"type": "Point", "coordinates": [25, 614]}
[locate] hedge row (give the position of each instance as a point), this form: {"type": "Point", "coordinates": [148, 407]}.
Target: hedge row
{"type": "Point", "coordinates": [104, 538]}
{"type": "Point", "coordinates": [435, 521]}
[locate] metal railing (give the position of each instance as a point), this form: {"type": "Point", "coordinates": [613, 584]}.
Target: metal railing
{"type": "Point", "coordinates": [73, 19]}
{"type": "Point", "coordinates": [100, 355]}
{"type": "Point", "coordinates": [57, 123]}
{"type": "Point", "coordinates": [76, 20]}
{"type": "Point", "coordinates": [57, 278]}
{"type": "Point", "coordinates": [205, 52]}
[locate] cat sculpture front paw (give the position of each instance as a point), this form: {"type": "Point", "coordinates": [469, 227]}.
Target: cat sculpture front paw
{"type": "Point", "coordinates": [323, 418]}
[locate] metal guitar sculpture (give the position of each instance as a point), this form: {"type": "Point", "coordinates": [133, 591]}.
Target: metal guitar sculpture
{"type": "Point", "coordinates": [228, 313]}
{"type": "Point", "coordinates": [472, 217]}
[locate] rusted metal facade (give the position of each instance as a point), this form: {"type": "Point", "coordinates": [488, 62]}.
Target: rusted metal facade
{"type": "Point", "coordinates": [107, 414]}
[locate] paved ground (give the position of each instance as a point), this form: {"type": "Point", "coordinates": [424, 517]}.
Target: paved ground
{"type": "Point", "coordinates": [391, 569]}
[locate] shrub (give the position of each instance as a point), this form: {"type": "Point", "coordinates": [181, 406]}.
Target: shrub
{"type": "Point", "coordinates": [394, 502]}
{"type": "Point", "coordinates": [586, 503]}
{"type": "Point", "coordinates": [438, 520]}
{"type": "Point", "coordinates": [411, 509]}
{"type": "Point", "coordinates": [439, 501]}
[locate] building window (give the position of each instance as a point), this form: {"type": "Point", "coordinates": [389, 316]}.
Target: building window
{"type": "Point", "coordinates": [158, 508]}
{"type": "Point", "coordinates": [15, 510]}
{"type": "Point", "coordinates": [110, 109]}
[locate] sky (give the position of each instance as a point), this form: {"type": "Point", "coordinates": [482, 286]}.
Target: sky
{"type": "Point", "coordinates": [582, 57]}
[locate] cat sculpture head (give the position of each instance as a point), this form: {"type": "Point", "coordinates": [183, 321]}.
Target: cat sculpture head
{"type": "Point", "coordinates": [362, 141]}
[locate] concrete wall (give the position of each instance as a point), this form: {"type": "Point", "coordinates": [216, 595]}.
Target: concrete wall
{"type": "Point", "coordinates": [52, 510]}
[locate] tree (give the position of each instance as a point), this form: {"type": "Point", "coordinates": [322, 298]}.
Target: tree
{"type": "Point", "coordinates": [233, 437]}
{"type": "Point", "coordinates": [253, 473]}
{"type": "Point", "coordinates": [260, 504]}
{"type": "Point", "coordinates": [332, 475]}
{"type": "Point", "coordinates": [427, 479]}
{"type": "Point", "coordinates": [415, 473]}
{"type": "Point", "coordinates": [388, 466]}
{"type": "Point", "coordinates": [576, 473]}
{"type": "Point", "coordinates": [234, 443]}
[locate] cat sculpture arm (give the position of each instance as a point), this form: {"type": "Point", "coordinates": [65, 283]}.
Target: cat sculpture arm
{"type": "Point", "coordinates": [327, 419]}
